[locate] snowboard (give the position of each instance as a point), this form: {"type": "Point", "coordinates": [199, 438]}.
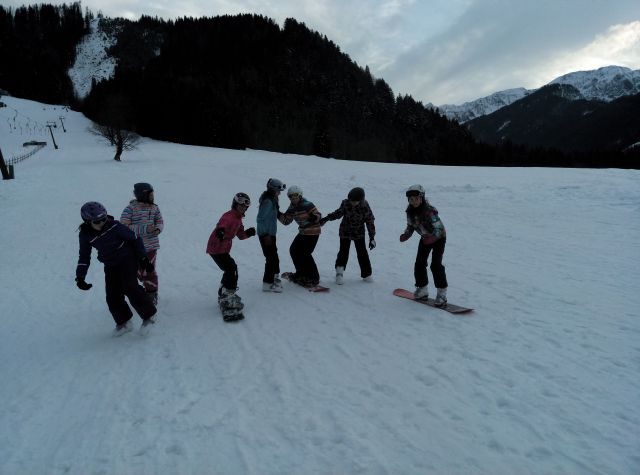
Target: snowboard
{"type": "Point", "coordinates": [449, 307]}
{"type": "Point", "coordinates": [313, 288]}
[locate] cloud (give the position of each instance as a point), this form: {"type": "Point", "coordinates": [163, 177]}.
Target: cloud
{"type": "Point", "coordinates": [499, 44]}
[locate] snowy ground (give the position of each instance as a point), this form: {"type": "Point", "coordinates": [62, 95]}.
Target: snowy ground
{"type": "Point", "coordinates": [543, 378]}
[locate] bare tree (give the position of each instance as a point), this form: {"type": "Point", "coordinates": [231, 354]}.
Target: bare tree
{"type": "Point", "coordinates": [121, 139]}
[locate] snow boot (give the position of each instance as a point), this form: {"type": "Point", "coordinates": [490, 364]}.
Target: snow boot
{"type": "Point", "coordinates": [268, 287]}
{"type": "Point", "coordinates": [227, 298]}
{"type": "Point", "coordinates": [339, 275]}
{"type": "Point", "coordinates": [122, 328]}
{"type": "Point", "coordinates": [441, 298]}
{"type": "Point", "coordinates": [421, 293]}
{"type": "Point", "coordinates": [368, 278]}
{"type": "Point", "coordinates": [146, 325]}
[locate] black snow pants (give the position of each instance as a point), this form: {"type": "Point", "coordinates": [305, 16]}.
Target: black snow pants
{"type": "Point", "coordinates": [301, 254]}
{"type": "Point", "coordinates": [272, 264]}
{"type": "Point", "coordinates": [361, 250]}
{"type": "Point", "coordinates": [122, 280]}
{"type": "Point", "coordinates": [229, 268]}
{"type": "Point", "coordinates": [437, 269]}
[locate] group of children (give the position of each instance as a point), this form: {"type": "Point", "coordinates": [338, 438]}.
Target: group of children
{"type": "Point", "coordinates": [128, 248]}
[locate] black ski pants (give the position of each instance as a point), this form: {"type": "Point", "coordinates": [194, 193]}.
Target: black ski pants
{"type": "Point", "coordinates": [122, 280]}
{"type": "Point", "coordinates": [270, 251]}
{"type": "Point", "coordinates": [301, 251]}
{"type": "Point", "coordinates": [437, 269]}
{"type": "Point", "coordinates": [229, 268]}
{"type": "Point", "coordinates": [361, 250]}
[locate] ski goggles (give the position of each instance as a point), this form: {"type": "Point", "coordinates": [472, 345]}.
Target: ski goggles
{"type": "Point", "coordinates": [276, 184]}
{"type": "Point", "coordinates": [411, 193]}
{"type": "Point", "coordinates": [99, 220]}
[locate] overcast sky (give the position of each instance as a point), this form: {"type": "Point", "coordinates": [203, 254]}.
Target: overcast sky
{"type": "Point", "coordinates": [443, 51]}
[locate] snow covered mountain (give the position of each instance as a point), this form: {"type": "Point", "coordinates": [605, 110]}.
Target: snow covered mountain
{"type": "Point", "coordinates": [603, 84]}
{"type": "Point", "coordinates": [483, 106]}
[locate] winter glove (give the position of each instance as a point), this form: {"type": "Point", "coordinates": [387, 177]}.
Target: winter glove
{"type": "Point", "coordinates": [219, 233]}
{"type": "Point", "coordinates": [372, 244]}
{"type": "Point", "coordinates": [250, 232]}
{"type": "Point", "coordinates": [313, 219]}
{"type": "Point", "coordinates": [323, 221]}
{"type": "Point", "coordinates": [404, 237]}
{"type": "Point", "coordinates": [82, 285]}
{"type": "Point", "coordinates": [146, 264]}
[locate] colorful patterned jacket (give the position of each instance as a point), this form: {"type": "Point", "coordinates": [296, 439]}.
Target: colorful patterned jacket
{"type": "Point", "coordinates": [145, 220]}
{"type": "Point", "coordinates": [306, 215]}
{"type": "Point", "coordinates": [114, 243]}
{"type": "Point", "coordinates": [354, 219]}
{"type": "Point", "coordinates": [426, 222]}
{"type": "Point", "coordinates": [231, 223]}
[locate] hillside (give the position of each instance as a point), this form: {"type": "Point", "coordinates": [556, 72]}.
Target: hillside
{"type": "Point", "coordinates": [558, 116]}
{"type": "Point", "coordinates": [542, 378]}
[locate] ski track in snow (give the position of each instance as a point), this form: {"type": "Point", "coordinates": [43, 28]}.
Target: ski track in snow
{"type": "Point", "coordinates": [543, 378]}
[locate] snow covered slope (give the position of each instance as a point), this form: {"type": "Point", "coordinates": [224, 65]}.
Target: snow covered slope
{"type": "Point", "coordinates": [543, 378]}
{"type": "Point", "coordinates": [92, 61]}
{"type": "Point", "coordinates": [483, 106]}
{"type": "Point", "coordinates": [604, 84]}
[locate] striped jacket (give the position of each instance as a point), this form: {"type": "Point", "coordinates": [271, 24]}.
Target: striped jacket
{"type": "Point", "coordinates": [306, 215]}
{"type": "Point", "coordinates": [145, 220]}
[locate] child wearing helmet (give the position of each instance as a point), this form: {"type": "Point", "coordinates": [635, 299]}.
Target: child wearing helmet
{"type": "Point", "coordinates": [121, 252]}
{"type": "Point", "coordinates": [424, 218]}
{"type": "Point", "coordinates": [219, 246]}
{"type": "Point", "coordinates": [355, 213]}
{"type": "Point", "coordinates": [267, 224]}
{"type": "Point", "coordinates": [143, 217]}
{"type": "Point", "coordinates": [307, 216]}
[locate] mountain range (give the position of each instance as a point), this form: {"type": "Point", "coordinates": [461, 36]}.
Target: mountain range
{"type": "Point", "coordinates": [603, 84]}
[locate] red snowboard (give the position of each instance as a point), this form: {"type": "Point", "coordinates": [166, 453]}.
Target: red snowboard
{"type": "Point", "coordinates": [313, 288]}
{"type": "Point", "coordinates": [451, 308]}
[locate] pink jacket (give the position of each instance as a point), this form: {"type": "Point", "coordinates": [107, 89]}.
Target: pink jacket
{"type": "Point", "coordinates": [231, 223]}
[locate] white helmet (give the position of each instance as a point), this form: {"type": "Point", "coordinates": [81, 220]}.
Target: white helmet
{"type": "Point", "coordinates": [294, 190]}
{"type": "Point", "coordinates": [415, 190]}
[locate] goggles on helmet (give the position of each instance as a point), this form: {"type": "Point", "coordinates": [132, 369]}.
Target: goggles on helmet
{"type": "Point", "coordinates": [276, 184]}
{"type": "Point", "coordinates": [242, 199]}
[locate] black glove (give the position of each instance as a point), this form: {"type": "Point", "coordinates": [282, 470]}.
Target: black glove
{"type": "Point", "coordinates": [323, 221]}
{"type": "Point", "coordinates": [146, 264]}
{"type": "Point", "coordinates": [219, 233]}
{"type": "Point", "coordinates": [250, 232]}
{"type": "Point", "coordinates": [82, 285]}
{"type": "Point", "coordinates": [313, 219]}
{"type": "Point", "coordinates": [372, 244]}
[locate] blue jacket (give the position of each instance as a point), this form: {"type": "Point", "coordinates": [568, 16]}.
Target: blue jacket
{"type": "Point", "coordinates": [114, 243]}
{"type": "Point", "coordinates": [268, 216]}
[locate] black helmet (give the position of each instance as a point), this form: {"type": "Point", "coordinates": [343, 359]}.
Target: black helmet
{"type": "Point", "coordinates": [93, 211]}
{"type": "Point", "coordinates": [142, 191]}
{"type": "Point", "coordinates": [356, 194]}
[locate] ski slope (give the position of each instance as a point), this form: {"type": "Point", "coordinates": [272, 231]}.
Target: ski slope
{"type": "Point", "coordinates": [543, 378]}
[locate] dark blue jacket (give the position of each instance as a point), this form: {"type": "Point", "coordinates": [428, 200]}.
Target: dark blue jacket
{"type": "Point", "coordinates": [114, 243]}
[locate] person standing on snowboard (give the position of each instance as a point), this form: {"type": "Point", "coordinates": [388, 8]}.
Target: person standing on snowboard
{"type": "Point", "coordinates": [267, 228]}
{"type": "Point", "coordinates": [307, 216]}
{"type": "Point", "coordinates": [219, 246]}
{"type": "Point", "coordinates": [355, 213]}
{"type": "Point", "coordinates": [122, 253]}
{"type": "Point", "coordinates": [143, 217]}
{"type": "Point", "coordinates": [423, 218]}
